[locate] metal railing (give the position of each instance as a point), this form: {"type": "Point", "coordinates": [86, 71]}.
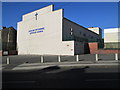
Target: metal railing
{"type": "Point", "coordinates": [76, 58]}
{"type": "Point", "coordinates": [97, 57]}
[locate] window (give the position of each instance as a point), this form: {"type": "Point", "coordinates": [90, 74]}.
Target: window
{"type": "Point", "coordinates": [80, 32]}
{"type": "Point", "coordinates": [71, 29]}
{"type": "Point", "coordinates": [71, 33]}
{"type": "Point", "coordinates": [84, 34]}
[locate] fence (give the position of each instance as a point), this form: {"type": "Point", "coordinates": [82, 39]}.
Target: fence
{"type": "Point", "coordinates": [107, 57]}
{"type": "Point", "coordinates": [58, 59]}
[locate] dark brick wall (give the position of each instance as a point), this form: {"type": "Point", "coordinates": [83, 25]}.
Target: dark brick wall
{"type": "Point", "coordinates": [11, 52]}
{"type": "Point", "coordinates": [12, 34]}
{"type": "Point", "coordinates": [86, 48]}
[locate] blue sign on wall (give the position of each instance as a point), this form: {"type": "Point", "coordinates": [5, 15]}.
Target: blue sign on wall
{"type": "Point", "coordinates": [36, 30]}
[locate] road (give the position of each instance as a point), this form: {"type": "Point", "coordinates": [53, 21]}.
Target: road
{"type": "Point", "coordinates": [63, 77]}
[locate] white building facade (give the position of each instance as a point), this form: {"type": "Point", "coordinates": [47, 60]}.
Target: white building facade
{"type": "Point", "coordinates": [112, 38]}
{"type": "Point", "coordinates": [47, 32]}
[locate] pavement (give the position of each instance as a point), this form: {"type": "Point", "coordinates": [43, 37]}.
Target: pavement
{"type": "Point", "coordinates": [18, 59]}
{"type": "Point", "coordinates": [30, 62]}
{"type": "Point", "coordinates": [32, 66]}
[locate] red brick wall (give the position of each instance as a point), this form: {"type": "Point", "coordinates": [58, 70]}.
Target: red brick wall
{"type": "Point", "coordinates": [108, 51]}
{"type": "Point", "coordinates": [94, 49]}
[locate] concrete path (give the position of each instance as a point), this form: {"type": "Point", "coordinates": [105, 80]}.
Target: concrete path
{"type": "Point", "coordinates": [32, 66]}
{"type": "Point", "coordinates": [29, 62]}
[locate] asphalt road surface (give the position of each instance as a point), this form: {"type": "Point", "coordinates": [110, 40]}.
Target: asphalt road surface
{"type": "Point", "coordinates": [63, 77]}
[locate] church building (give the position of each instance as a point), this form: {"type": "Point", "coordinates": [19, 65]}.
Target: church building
{"type": "Point", "coordinates": [48, 32]}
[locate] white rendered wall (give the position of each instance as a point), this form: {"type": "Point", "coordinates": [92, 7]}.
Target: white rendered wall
{"type": "Point", "coordinates": [47, 42]}
{"type": "Point", "coordinates": [42, 11]}
{"type": "Point", "coordinates": [112, 35]}
{"type": "Point", "coordinates": [96, 30]}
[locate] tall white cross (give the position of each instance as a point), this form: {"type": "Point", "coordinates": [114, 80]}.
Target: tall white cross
{"type": "Point", "coordinates": [36, 15]}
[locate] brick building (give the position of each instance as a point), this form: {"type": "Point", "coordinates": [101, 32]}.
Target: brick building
{"type": "Point", "coordinates": [8, 38]}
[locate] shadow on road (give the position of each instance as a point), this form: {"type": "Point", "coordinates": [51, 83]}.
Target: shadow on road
{"type": "Point", "coordinates": [71, 78]}
{"type": "Point", "coordinates": [47, 69]}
